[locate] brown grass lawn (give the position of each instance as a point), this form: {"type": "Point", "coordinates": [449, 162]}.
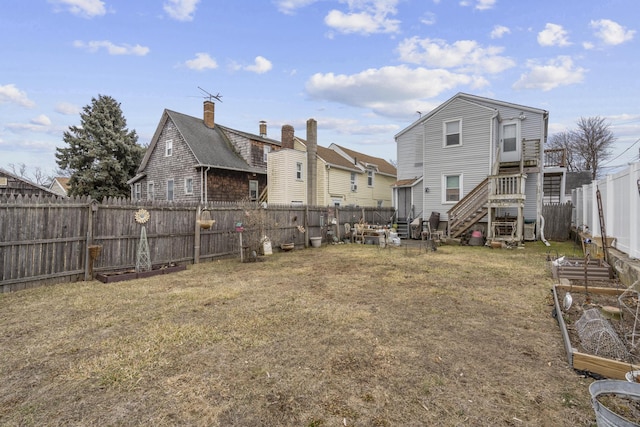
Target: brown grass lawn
{"type": "Point", "coordinates": [346, 335]}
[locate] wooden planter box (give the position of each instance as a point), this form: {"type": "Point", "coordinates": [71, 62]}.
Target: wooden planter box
{"type": "Point", "coordinates": [597, 270]}
{"type": "Point", "coordinates": [130, 275]}
{"type": "Point", "coordinates": [607, 368]}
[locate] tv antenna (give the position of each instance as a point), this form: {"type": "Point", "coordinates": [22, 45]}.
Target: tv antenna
{"type": "Point", "coordinates": [211, 96]}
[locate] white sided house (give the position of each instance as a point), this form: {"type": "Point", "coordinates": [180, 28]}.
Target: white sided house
{"type": "Point", "coordinates": [475, 159]}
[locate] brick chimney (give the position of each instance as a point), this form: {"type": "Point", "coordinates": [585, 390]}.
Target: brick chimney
{"type": "Point", "coordinates": [209, 108]}
{"type": "Point", "coordinates": [286, 140]}
{"type": "Point", "coordinates": [263, 128]}
{"type": "Point", "coordinates": [312, 163]}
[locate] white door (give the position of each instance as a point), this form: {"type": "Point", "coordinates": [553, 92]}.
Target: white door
{"type": "Point", "coordinates": [510, 142]}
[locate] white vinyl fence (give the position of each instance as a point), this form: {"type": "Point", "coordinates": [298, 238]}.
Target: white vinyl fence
{"type": "Point", "coordinates": [620, 195]}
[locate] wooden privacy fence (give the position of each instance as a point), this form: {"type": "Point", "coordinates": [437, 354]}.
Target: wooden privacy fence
{"type": "Point", "coordinates": [46, 240]}
{"type": "Point", "coordinates": [557, 220]}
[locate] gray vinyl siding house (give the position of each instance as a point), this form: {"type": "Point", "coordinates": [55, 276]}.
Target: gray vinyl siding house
{"type": "Point", "coordinates": [464, 144]}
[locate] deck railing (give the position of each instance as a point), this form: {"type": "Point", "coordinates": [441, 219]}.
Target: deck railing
{"type": "Point", "coordinates": [555, 157]}
{"type": "Point", "coordinates": [503, 188]}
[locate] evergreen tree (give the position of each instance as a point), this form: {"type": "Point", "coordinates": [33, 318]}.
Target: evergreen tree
{"type": "Point", "coordinates": [102, 154]}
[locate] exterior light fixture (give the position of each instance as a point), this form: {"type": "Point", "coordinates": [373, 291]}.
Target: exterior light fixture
{"type": "Point", "coordinates": [426, 189]}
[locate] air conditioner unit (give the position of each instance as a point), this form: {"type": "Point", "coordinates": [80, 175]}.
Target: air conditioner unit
{"type": "Point", "coordinates": [354, 187]}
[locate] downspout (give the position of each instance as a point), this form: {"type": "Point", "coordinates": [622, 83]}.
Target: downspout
{"type": "Point", "coordinates": [540, 205]}
{"type": "Point", "coordinates": [205, 173]}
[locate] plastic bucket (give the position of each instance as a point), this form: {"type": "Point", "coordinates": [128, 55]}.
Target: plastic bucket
{"type": "Point", "coordinates": [604, 416]}
{"type": "Point", "coordinates": [476, 233]}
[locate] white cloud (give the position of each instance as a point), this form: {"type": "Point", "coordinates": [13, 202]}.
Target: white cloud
{"type": "Point", "coordinates": [111, 48]}
{"type": "Point", "coordinates": [41, 120]}
{"type": "Point", "coordinates": [479, 4]}
{"type": "Point", "coordinates": [610, 32]}
{"type": "Point", "coordinates": [260, 66]}
{"type": "Point", "coordinates": [181, 10]}
{"type": "Point", "coordinates": [201, 62]}
{"type": "Point", "coordinates": [556, 72]}
{"type": "Point", "coordinates": [464, 55]}
{"type": "Point", "coordinates": [588, 45]}
{"type": "Point", "coordinates": [499, 31]}
{"type": "Point", "coordinates": [83, 8]}
{"type": "Point", "coordinates": [289, 6]}
{"type": "Point", "coordinates": [365, 17]}
{"type": "Point", "coordinates": [384, 88]}
{"type": "Point", "coordinates": [429, 18]}
{"type": "Point", "coordinates": [67, 109]}
{"type": "Point", "coordinates": [553, 35]}
{"type": "Point", "coordinates": [11, 94]}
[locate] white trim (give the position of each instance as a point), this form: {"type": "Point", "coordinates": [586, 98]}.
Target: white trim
{"type": "Point", "coordinates": [173, 189]}
{"type": "Point", "coordinates": [186, 188]}
{"type": "Point", "coordinates": [151, 194]}
{"type": "Point", "coordinates": [444, 188]}
{"type": "Point", "coordinates": [444, 133]}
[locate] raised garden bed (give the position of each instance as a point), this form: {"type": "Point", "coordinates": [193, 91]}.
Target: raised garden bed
{"type": "Point", "coordinates": [574, 269]}
{"type": "Point", "coordinates": [596, 297]}
{"type": "Point", "coordinates": [120, 276]}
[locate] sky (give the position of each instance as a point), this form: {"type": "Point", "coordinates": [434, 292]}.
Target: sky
{"type": "Point", "coordinates": [364, 69]}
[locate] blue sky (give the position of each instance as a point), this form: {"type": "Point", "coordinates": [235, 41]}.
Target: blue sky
{"type": "Point", "coordinates": [362, 68]}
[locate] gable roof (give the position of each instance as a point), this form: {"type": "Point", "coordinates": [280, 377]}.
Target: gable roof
{"type": "Point", "coordinates": [32, 186]}
{"type": "Point", "coordinates": [210, 146]}
{"type": "Point", "coordinates": [478, 100]}
{"type": "Point", "coordinates": [60, 185]}
{"type": "Point", "coordinates": [364, 160]}
{"type": "Point", "coordinates": [335, 159]}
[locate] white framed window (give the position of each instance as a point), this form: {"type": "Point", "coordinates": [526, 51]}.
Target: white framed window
{"type": "Point", "coordinates": [137, 191]}
{"type": "Point", "coordinates": [452, 188]}
{"type": "Point", "coordinates": [452, 133]}
{"type": "Point", "coordinates": [4, 181]}
{"type": "Point", "coordinates": [168, 148]}
{"type": "Point", "coordinates": [299, 170]}
{"type": "Point", "coordinates": [150, 190]}
{"type": "Point", "coordinates": [253, 190]}
{"type": "Point", "coordinates": [170, 183]}
{"type": "Point", "coordinates": [265, 152]}
{"type": "Point", "coordinates": [370, 175]}
{"type": "Point", "coordinates": [188, 185]}
{"type": "Point", "coordinates": [354, 181]}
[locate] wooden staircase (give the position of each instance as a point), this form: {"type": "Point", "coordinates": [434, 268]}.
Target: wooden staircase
{"type": "Point", "coordinates": [468, 211]}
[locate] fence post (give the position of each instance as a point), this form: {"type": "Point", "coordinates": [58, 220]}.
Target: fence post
{"type": "Point", "coordinates": [306, 226]}
{"type": "Point", "coordinates": [87, 275]}
{"type": "Point", "coordinates": [196, 238]}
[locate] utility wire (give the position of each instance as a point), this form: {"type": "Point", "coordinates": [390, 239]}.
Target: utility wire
{"type": "Point", "coordinates": [618, 156]}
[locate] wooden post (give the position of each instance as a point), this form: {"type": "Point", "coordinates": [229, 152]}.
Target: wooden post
{"type": "Point", "coordinates": [196, 238]}
{"type": "Point", "coordinates": [306, 226]}
{"type": "Point", "coordinates": [241, 248]}
{"type": "Point", "coordinates": [87, 259]}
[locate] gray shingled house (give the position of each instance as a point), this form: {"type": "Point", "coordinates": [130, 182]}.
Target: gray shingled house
{"type": "Point", "coordinates": [192, 159]}
{"type": "Point", "coordinates": [13, 185]}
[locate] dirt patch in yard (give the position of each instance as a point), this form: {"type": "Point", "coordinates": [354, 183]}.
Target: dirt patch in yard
{"type": "Point", "coordinates": [349, 335]}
